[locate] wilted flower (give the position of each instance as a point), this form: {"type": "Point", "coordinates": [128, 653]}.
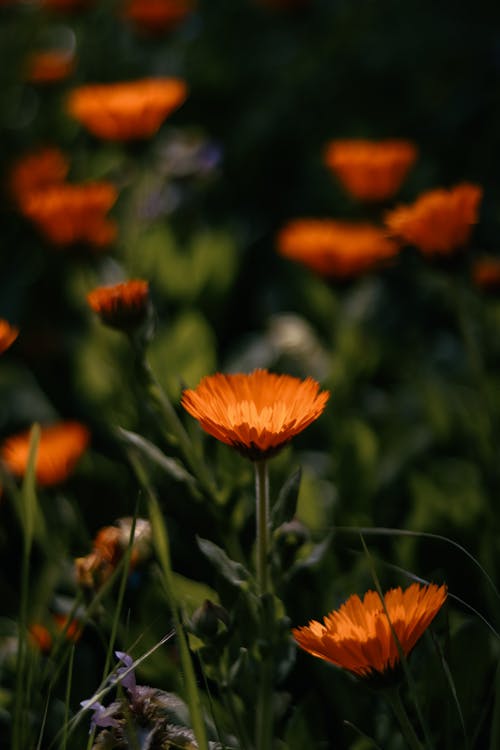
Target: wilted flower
{"type": "Point", "coordinates": [8, 334]}
{"type": "Point", "coordinates": [61, 446]}
{"type": "Point", "coordinates": [50, 66]}
{"type": "Point", "coordinates": [486, 274]}
{"type": "Point", "coordinates": [67, 213]}
{"type": "Point", "coordinates": [257, 414]}
{"type": "Point", "coordinates": [370, 170]}
{"type": "Point", "coordinates": [335, 248]}
{"type": "Point", "coordinates": [358, 636]}
{"type": "Point", "coordinates": [126, 111]}
{"type": "Point", "coordinates": [157, 16]}
{"type": "Point", "coordinates": [37, 171]}
{"type": "Point", "coordinates": [440, 221]}
{"type": "Point", "coordinates": [124, 306]}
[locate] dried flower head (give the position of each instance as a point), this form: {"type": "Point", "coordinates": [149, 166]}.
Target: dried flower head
{"type": "Point", "coordinates": [371, 170]}
{"type": "Point", "coordinates": [440, 221]}
{"type": "Point", "coordinates": [124, 306]}
{"type": "Point", "coordinates": [358, 636]}
{"type": "Point", "coordinates": [486, 274]}
{"type": "Point", "coordinates": [257, 414]}
{"type": "Point", "coordinates": [157, 16]}
{"type": "Point", "coordinates": [68, 214]}
{"type": "Point", "coordinates": [37, 171]}
{"type": "Point", "coordinates": [126, 111]}
{"type": "Point", "coordinates": [8, 334]}
{"type": "Point", "coordinates": [336, 248]}
{"type": "Point", "coordinates": [50, 66]}
{"type": "Point", "coordinates": [61, 446]}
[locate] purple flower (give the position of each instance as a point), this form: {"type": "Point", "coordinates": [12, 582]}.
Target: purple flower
{"type": "Point", "coordinates": [102, 716]}
{"type": "Point", "coordinates": [128, 681]}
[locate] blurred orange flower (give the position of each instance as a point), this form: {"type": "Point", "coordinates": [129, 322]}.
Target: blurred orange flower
{"type": "Point", "coordinates": [50, 66]}
{"type": "Point", "coordinates": [36, 171]}
{"type": "Point", "coordinates": [126, 111]}
{"type": "Point", "coordinates": [371, 170]}
{"type": "Point", "coordinates": [123, 306]}
{"type": "Point", "coordinates": [61, 446]}
{"type": "Point", "coordinates": [257, 414]}
{"type": "Point", "coordinates": [486, 273]}
{"type": "Point", "coordinates": [40, 638]}
{"type": "Point", "coordinates": [440, 221]}
{"type": "Point", "coordinates": [335, 248]}
{"type": "Point", "coordinates": [67, 213]}
{"type": "Point", "coordinates": [157, 16]}
{"type": "Point", "coordinates": [358, 636]}
{"type": "Point", "coordinates": [8, 334]}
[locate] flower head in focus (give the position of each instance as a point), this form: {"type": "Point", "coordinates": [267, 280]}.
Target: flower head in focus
{"type": "Point", "coordinates": [70, 213]}
{"type": "Point", "coordinates": [61, 446]}
{"type": "Point", "coordinates": [358, 636]}
{"type": "Point", "coordinates": [257, 414]}
{"type": "Point", "coordinates": [486, 274]}
{"type": "Point", "coordinates": [8, 334]}
{"type": "Point", "coordinates": [50, 66]}
{"type": "Point", "coordinates": [123, 306]}
{"type": "Point", "coordinates": [440, 221]}
{"type": "Point", "coordinates": [36, 171]}
{"type": "Point", "coordinates": [157, 16]}
{"type": "Point", "coordinates": [336, 248]}
{"type": "Point", "coordinates": [126, 111]}
{"type": "Point", "coordinates": [371, 171]}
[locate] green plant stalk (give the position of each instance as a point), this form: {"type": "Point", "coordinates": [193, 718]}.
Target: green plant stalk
{"type": "Point", "coordinates": [67, 698]}
{"type": "Point", "coordinates": [264, 718]}
{"type": "Point", "coordinates": [162, 547]}
{"type": "Point", "coordinates": [405, 724]}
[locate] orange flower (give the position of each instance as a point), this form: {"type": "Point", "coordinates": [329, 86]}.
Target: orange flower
{"type": "Point", "coordinates": [50, 66]}
{"type": "Point", "coordinates": [440, 221]}
{"type": "Point", "coordinates": [371, 170]}
{"type": "Point", "coordinates": [258, 413]}
{"type": "Point", "coordinates": [335, 248]}
{"type": "Point", "coordinates": [157, 16]}
{"type": "Point", "coordinates": [40, 637]}
{"type": "Point", "coordinates": [486, 273]}
{"type": "Point", "coordinates": [61, 446]}
{"type": "Point", "coordinates": [8, 334]}
{"type": "Point", "coordinates": [358, 636]}
{"type": "Point", "coordinates": [36, 171]}
{"type": "Point", "coordinates": [124, 306]}
{"type": "Point", "coordinates": [126, 111]}
{"type": "Point", "coordinates": [66, 213]}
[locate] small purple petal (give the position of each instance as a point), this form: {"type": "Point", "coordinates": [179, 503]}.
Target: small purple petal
{"type": "Point", "coordinates": [128, 681]}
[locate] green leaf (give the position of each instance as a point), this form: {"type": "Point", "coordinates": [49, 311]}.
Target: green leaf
{"type": "Point", "coordinates": [286, 505]}
{"type": "Point", "coordinates": [232, 571]}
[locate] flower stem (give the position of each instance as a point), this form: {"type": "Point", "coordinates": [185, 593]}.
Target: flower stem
{"type": "Point", "coordinates": [406, 726]}
{"type": "Point", "coordinates": [262, 521]}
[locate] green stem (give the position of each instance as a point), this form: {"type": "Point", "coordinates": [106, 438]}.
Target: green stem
{"type": "Point", "coordinates": [262, 524]}
{"type": "Point", "coordinates": [407, 730]}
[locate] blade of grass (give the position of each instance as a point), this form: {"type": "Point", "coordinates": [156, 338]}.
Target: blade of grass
{"type": "Point", "coordinates": [495, 720]}
{"type": "Point", "coordinates": [67, 698]}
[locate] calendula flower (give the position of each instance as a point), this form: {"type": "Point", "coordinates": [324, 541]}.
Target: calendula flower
{"type": "Point", "coordinates": [126, 111]}
{"type": "Point", "coordinates": [61, 446]}
{"type": "Point", "coordinates": [486, 273]}
{"type": "Point", "coordinates": [69, 213]}
{"type": "Point", "coordinates": [335, 248]}
{"type": "Point", "coordinates": [124, 306]}
{"type": "Point", "coordinates": [50, 66]}
{"type": "Point", "coordinates": [370, 170]}
{"type": "Point", "coordinates": [358, 636]}
{"type": "Point", "coordinates": [37, 171]}
{"type": "Point", "coordinates": [157, 16]}
{"type": "Point", "coordinates": [440, 221]}
{"type": "Point", "coordinates": [8, 334]}
{"type": "Point", "coordinates": [257, 414]}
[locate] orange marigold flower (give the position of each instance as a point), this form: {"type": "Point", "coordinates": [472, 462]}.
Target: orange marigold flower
{"type": "Point", "coordinates": [8, 334]}
{"type": "Point", "coordinates": [50, 66]}
{"type": "Point", "coordinates": [440, 221]}
{"type": "Point", "coordinates": [67, 213]}
{"type": "Point", "coordinates": [40, 638]}
{"type": "Point", "coordinates": [61, 446]}
{"type": "Point", "coordinates": [124, 306]}
{"type": "Point", "coordinates": [371, 170]}
{"type": "Point", "coordinates": [126, 111]}
{"type": "Point", "coordinates": [157, 16]}
{"type": "Point", "coordinates": [36, 171]}
{"type": "Point", "coordinates": [257, 414]}
{"type": "Point", "coordinates": [358, 636]}
{"type": "Point", "coordinates": [486, 273]}
{"type": "Point", "coordinates": [335, 248]}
